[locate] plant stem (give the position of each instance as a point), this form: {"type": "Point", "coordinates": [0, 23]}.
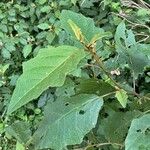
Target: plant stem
{"type": "Point", "coordinates": [101, 65]}
{"type": "Point", "coordinates": [99, 145]}
{"type": "Point", "coordinates": [91, 48]}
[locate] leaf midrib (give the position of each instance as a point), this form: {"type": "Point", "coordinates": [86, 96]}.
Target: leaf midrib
{"type": "Point", "coordinates": [72, 110]}
{"type": "Point", "coordinates": [59, 65]}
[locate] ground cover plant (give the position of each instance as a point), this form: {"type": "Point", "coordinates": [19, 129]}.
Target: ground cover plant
{"type": "Point", "coordinates": [75, 75]}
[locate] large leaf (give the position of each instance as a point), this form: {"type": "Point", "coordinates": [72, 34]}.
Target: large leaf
{"type": "Point", "coordinates": [138, 137]}
{"type": "Point", "coordinates": [67, 120]}
{"type": "Point", "coordinates": [49, 68]}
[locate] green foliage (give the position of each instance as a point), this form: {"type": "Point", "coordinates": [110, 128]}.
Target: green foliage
{"type": "Point", "coordinates": [74, 74]}
{"type": "Point", "coordinates": [139, 134]}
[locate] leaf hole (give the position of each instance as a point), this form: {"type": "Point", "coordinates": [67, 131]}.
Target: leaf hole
{"type": "Point", "coordinates": [147, 131]}
{"type": "Point", "coordinates": [66, 104]}
{"type": "Point", "coordinates": [138, 130]}
{"type": "Point", "coordinates": [65, 92]}
{"type": "Point", "coordinates": [106, 115]}
{"type": "Point", "coordinates": [81, 112]}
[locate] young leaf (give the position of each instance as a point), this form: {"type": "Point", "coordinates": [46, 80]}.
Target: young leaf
{"type": "Point", "coordinates": [19, 146]}
{"type": "Point", "coordinates": [99, 36]}
{"type": "Point", "coordinates": [86, 25]}
{"type": "Point", "coordinates": [48, 68]}
{"type": "Point", "coordinates": [42, 1]}
{"type": "Point", "coordinates": [122, 97]}
{"type": "Point", "coordinates": [67, 120]}
{"type": "Point", "coordinates": [139, 134]}
{"type": "Point", "coordinates": [87, 3]}
{"type": "Point", "coordinates": [76, 30]}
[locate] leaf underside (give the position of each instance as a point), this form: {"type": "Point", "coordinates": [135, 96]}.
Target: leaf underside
{"type": "Point", "coordinates": [138, 137]}
{"type": "Point", "coordinates": [67, 120]}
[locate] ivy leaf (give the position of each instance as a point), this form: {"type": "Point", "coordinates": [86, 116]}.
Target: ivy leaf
{"type": "Point", "coordinates": [139, 134]}
{"type": "Point", "coordinates": [86, 25]}
{"type": "Point", "coordinates": [49, 68]}
{"type": "Point", "coordinates": [67, 120]}
{"type": "Point", "coordinates": [122, 97]}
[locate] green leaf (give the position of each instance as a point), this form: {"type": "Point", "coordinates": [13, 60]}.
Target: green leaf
{"type": "Point", "coordinates": [74, 1]}
{"type": "Point", "coordinates": [128, 50]}
{"type": "Point", "coordinates": [144, 48]}
{"type": "Point", "coordinates": [20, 130]}
{"type": "Point", "coordinates": [115, 126]}
{"type": "Point", "coordinates": [46, 9]}
{"type": "Point", "coordinates": [87, 3]}
{"type": "Point", "coordinates": [3, 68]}
{"type": "Point", "coordinates": [67, 89]}
{"type": "Point", "coordinates": [26, 50]}
{"type": "Point", "coordinates": [67, 120]}
{"type": "Point", "coordinates": [122, 97]}
{"type": "Point", "coordinates": [19, 146]}
{"type": "Point", "coordinates": [76, 30]}
{"type": "Point", "coordinates": [143, 12]}
{"type": "Point", "coordinates": [94, 86]}
{"type": "Point", "coordinates": [5, 53]}
{"type": "Point", "coordinates": [86, 25]}
{"type": "Point", "coordinates": [138, 137]}
{"type": "Point", "coordinates": [48, 68]}
{"type": "Point", "coordinates": [42, 2]}
{"type": "Point", "coordinates": [43, 26]}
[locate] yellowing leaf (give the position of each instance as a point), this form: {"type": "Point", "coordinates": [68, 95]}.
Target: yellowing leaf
{"type": "Point", "coordinates": [86, 25]}
{"type": "Point", "coordinates": [76, 30]}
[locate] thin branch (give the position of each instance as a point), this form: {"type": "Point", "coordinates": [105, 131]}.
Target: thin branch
{"type": "Point", "coordinates": [146, 5]}
{"type": "Point", "coordinates": [144, 39]}
{"type": "Point", "coordinates": [100, 145]}
{"type": "Point", "coordinates": [135, 24]}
